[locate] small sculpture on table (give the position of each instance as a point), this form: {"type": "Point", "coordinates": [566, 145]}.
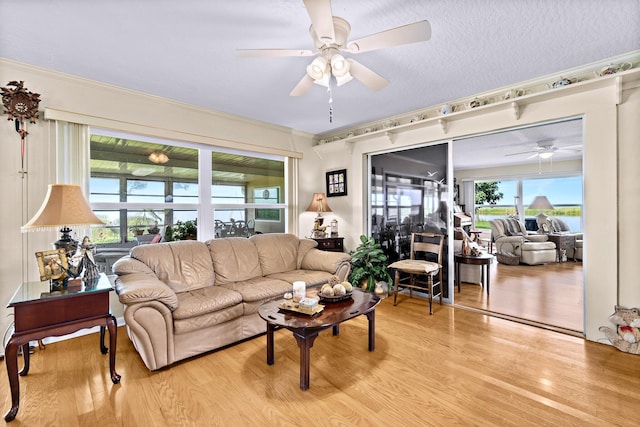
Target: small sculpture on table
{"type": "Point", "coordinates": [319, 230]}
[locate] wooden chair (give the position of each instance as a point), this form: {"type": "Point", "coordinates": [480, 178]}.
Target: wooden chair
{"type": "Point", "coordinates": [424, 248]}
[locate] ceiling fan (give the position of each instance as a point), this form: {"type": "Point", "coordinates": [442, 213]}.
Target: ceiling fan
{"type": "Point", "coordinates": [546, 149]}
{"type": "Point", "coordinates": [330, 34]}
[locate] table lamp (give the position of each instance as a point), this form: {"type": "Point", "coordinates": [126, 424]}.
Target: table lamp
{"type": "Point", "coordinates": [64, 206]}
{"type": "Point", "coordinates": [541, 203]}
{"type": "Point", "coordinates": [319, 205]}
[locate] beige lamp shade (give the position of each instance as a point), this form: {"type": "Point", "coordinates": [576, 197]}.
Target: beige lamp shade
{"type": "Point", "coordinates": [319, 203]}
{"type": "Point", "coordinates": [541, 202]}
{"type": "Point", "coordinates": [64, 205]}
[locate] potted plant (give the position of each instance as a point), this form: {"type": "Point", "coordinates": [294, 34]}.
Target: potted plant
{"type": "Point", "coordinates": [187, 230]}
{"type": "Point", "coordinates": [369, 264]}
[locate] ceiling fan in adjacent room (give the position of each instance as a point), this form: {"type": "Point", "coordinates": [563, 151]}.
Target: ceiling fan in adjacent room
{"type": "Point", "coordinates": [329, 34]}
{"type": "Point", "coordinates": [546, 150]}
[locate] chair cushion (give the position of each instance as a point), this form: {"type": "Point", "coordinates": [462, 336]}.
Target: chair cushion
{"type": "Point", "coordinates": [538, 246]}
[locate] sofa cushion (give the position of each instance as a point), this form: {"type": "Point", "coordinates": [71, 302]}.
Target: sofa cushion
{"type": "Point", "coordinates": [277, 252]}
{"type": "Point", "coordinates": [304, 246]}
{"type": "Point", "coordinates": [184, 265]}
{"type": "Point", "coordinates": [234, 259]}
{"type": "Point", "coordinates": [309, 277]}
{"type": "Point", "coordinates": [205, 300]}
{"type": "Point", "coordinates": [259, 288]}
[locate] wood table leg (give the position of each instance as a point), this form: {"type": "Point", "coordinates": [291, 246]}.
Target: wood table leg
{"type": "Point", "coordinates": [488, 277]}
{"type": "Point", "coordinates": [26, 357]}
{"type": "Point", "coordinates": [270, 352]}
{"type": "Point", "coordinates": [11, 359]}
{"type": "Point", "coordinates": [458, 275]}
{"type": "Point", "coordinates": [305, 342]}
{"type": "Point", "coordinates": [113, 337]}
{"type": "Point", "coordinates": [371, 316]}
{"type": "Point", "coordinates": [336, 330]}
{"type": "Point", "coordinates": [103, 348]}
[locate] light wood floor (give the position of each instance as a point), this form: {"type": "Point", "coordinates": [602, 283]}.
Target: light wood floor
{"type": "Point", "coordinates": [456, 367]}
{"type": "Point", "coordinates": [551, 294]}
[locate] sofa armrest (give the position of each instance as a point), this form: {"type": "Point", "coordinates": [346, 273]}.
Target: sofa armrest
{"type": "Point", "coordinates": [510, 244]}
{"type": "Point", "coordinates": [136, 284]}
{"type": "Point", "coordinates": [331, 262]}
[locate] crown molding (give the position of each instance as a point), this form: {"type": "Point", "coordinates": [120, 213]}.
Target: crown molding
{"type": "Point", "coordinates": [583, 78]}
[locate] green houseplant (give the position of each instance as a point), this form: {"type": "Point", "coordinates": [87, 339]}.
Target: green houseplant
{"type": "Point", "coordinates": [369, 264]}
{"type": "Point", "coordinates": [187, 230]}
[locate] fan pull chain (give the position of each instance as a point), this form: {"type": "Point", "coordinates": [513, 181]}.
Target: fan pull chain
{"type": "Point", "coordinates": [330, 103]}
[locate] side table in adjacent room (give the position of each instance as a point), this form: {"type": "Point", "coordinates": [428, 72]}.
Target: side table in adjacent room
{"type": "Point", "coordinates": [331, 244]}
{"type": "Point", "coordinates": [41, 313]}
{"type": "Point", "coordinates": [562, 241]}
{"type": "Point", "coordinates": [484, 261]}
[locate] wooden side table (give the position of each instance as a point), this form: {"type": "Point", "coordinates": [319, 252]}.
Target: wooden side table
{"type": "Point", "coordinates": [562, 241]}
{"type": "Point", "coordinates": [331, 244]}
{"type": "Point", "coordinates": [39, 313]}
{"type": "Point", "coordinates": [484, 261]}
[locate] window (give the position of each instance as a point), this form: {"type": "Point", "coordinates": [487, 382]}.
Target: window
{"type": "Point", "coordinates": [139, 183]}
{"type": "Point", "coordinates": [512, 197]}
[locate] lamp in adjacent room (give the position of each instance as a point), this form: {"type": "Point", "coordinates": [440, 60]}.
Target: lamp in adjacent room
{"type": "Point", "coordinates": [319, 205]}
{"type": "Point", "coordinates": [541, 203]}
{"type": "Point", "coordinates": [64, 206]}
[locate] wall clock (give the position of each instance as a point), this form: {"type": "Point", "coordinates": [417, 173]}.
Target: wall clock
{"type": "Point", "coordinates": [20, 105]}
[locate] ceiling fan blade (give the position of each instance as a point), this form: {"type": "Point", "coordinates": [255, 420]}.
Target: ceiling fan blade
{"type": "Point", "coordinates": [412, 33]}
{"type": "Point", "coordinates": [322, 19]}
{"type": "Point", "coordinates": [535, 153]}
{"type": "Point", "coordinates": [369, 78]}
{"type": "Point", "coordinates": [261, 53]}
{"type": "Point", "coordinates": [303, 86]}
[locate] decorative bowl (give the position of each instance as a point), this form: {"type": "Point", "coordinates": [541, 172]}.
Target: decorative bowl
{"type": "Point", "coordinates": [337, 298]}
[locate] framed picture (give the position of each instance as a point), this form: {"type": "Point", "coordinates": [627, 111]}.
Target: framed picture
{"type": "Point", "coordinates": [337, 183]}
{"type": "Point", "coordinates": [52, 264]}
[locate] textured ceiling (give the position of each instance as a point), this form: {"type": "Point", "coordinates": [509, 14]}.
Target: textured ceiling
{"type": "Point", "coordinates": [184, 50]}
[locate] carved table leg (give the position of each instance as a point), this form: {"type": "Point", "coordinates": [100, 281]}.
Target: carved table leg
{"type": "Point", "coordinates": [103, 348]}
{"type": "Point", "coordinates": [26, 356]}
{"type": "Point", "coordinates": [113, 337]}
{"type": "Point", "coordinates": [305, 343]}
{"type": "Point", "coordinates": [11, 359]}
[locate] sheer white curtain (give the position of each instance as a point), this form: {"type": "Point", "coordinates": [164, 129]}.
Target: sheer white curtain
{"type": "Point", "coordinates": [72, 154]}
{"type": "Point", "coordinates": [469, 198]}
{"type": "Point", "coordinates": [73, 163]}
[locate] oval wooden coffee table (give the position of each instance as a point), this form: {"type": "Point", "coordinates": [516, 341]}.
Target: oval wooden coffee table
{"type": "Point", "coordinates": [306, 328]}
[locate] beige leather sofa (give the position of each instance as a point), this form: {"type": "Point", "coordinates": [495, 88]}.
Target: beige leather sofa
{"type": "Point", "coordinates": [185, 298]}
{"type": "Point", "coordinates": [511, 237]}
